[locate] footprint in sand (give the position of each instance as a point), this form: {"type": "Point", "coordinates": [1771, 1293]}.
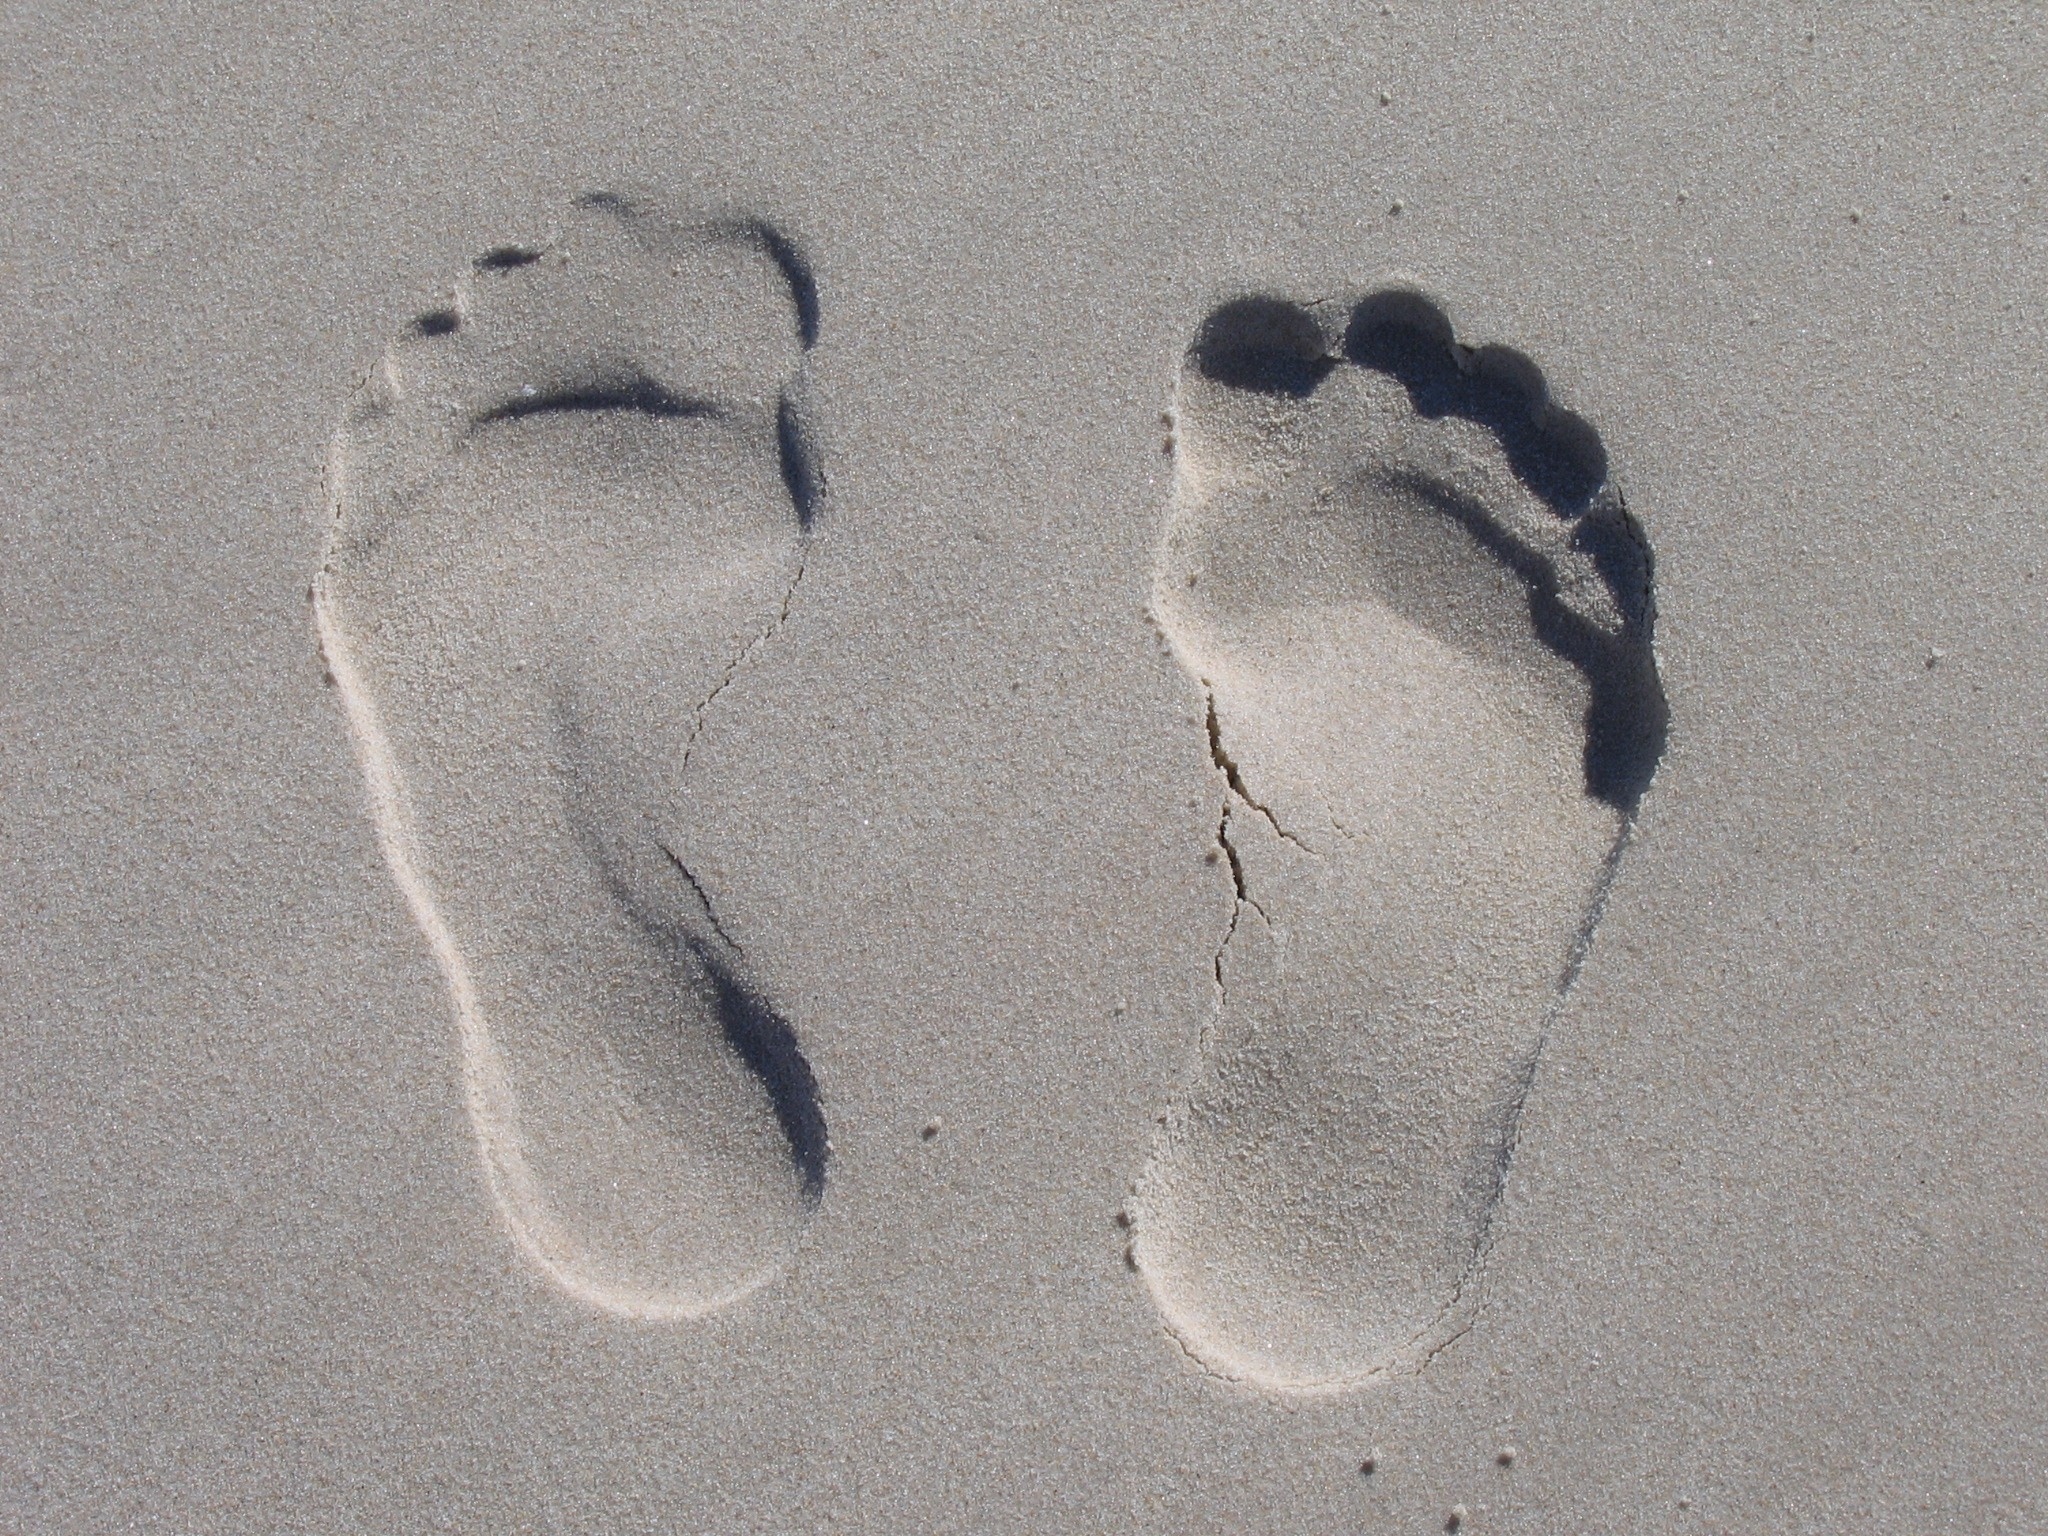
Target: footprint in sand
{"type": "Point", "coordinates": [1421, 618]}
{"type": "Point", "coordinates": [568, 508]}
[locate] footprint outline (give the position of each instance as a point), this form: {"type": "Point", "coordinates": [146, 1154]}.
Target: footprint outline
{"type": "Point", "coordinates": [599, 379]}
{"type": "Point", "coordinates": [1265, 348]}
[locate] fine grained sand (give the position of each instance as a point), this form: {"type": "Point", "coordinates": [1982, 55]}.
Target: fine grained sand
{"type": "Point", "coordinates": [977, 812]}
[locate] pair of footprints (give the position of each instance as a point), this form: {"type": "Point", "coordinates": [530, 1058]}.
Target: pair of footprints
{"type": "Point", "coordinates": [572, 507]}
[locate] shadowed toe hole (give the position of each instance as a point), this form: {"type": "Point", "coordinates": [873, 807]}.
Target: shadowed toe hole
{"type": "Point", "coordinates": [1263, 344]}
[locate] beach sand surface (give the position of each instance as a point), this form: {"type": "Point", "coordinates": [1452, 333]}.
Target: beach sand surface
{"type": "Point", "coordinates": [1033, 1251]}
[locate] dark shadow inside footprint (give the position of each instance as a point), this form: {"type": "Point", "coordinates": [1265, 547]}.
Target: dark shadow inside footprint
{"type": "Point", "coordinates": [703, 957]}
{"type": "Point", "coordinates": [504, 258]}
{"type": "Point", "coordinates": [1275, 347]}
{"type": "Point", "coordinates": [796, 272]}
{"type": "Point", "coordinates": [799, 462]}
{"type": "Point", "coordinates": [764, 1041]}
{"type": "Point", "coordinates": [1626, 715]}
{"type": "Point", "coordinates": [706, 978]}
{"type": "Point", "coordinates": [1263, 344]}
{"type": "Point", "coordinates": [1556, 454]}
{"type": "Point", "coordinates": [628, 391]}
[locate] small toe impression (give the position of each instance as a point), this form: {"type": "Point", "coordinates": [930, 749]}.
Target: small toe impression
{"type": "Point", "coordinates": [1556, 454]}
{"type": "Point", "coordinates": [505, 258]}
{"type": "Point", "coordinates": [436, 322]}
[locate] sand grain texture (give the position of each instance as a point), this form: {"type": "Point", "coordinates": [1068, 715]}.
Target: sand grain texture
{"type": "Point", "coordinates": [1769, 1251]}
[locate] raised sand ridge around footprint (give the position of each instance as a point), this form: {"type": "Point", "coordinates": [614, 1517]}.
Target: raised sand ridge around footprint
{"type": "Point", "coordinates": [569, 507]}
{"type": "Point", "coordinates": [1420, 619]}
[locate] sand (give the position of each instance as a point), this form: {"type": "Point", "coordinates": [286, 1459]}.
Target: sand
{"type": "Point", "coordinates": [1070, 1051]}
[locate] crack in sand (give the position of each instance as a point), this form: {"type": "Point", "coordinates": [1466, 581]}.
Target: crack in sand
{"type": "Point", "coordinates": [1242, 888]}
{"type": "Point", "coordinates": [704, 896]}
{"type": "Point", "coordinates": [1238, 877]}
{"type": "Point", "coordinates": [701, 716]}
{"type": "Point", "coordinates": [1227, 765]}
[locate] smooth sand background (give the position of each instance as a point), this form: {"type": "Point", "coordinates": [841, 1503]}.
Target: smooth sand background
{"type": "Point", "coordinates": [1774, 1241]}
